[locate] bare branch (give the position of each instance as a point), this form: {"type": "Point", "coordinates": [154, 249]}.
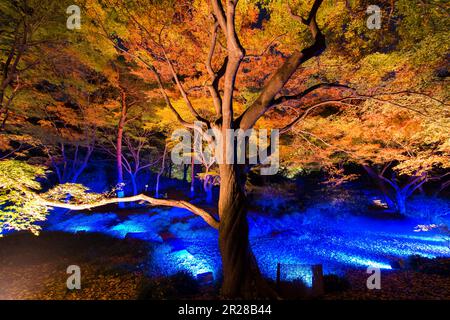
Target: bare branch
{"type": "Point", "coordinates": [235, 55]}
{"type": "Point", "coordinates": [307, 111]}
{"type": "Point", "coordinates": [151, 68]}
{"type": "Point", "coordinates": [266, 47]}
{"type": "Point", "coordinates": [304, 93]}
{"type": "Point", "coordinates": [167, 99]}
{"type": "Point", "coordinates": [179, 85]}
{"type": "Point", "coordinates": [249, 117]}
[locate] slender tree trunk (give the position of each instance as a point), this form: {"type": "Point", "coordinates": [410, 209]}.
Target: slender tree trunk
{"type": "Point", "coordinates": [158, 177]}
{"type": "Point", "coordinates": [157, 186]}
{"type": "Point", "coordinates": [170, 170]}
{"type": "Point", "coordinates": [241, 275]}
{"type": "Point", "coordinates": [5, 118]}
{"type": "Point", "coordinates": [403, 193]}
{"type": "Point", "coordinates": [208, 187]}
{"type": "Point", "coordinates": [185, 172]}
{"type": "Point", "coordinates": [55, 166]}
{"type": "Point", "coordinates": [400, 198]}
{"type": "Point", "coordinates": [133, 182]}
{"type": "Point", "coordinates": [192, 175]}
{"type": "Point", "coordinates": [123, 115]}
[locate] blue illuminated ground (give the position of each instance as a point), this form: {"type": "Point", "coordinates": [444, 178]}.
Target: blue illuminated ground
{"type": "Point", "coordinates": [185, 242]}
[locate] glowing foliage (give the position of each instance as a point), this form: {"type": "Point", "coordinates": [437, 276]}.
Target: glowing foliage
{"type": "Point", "coordinates": [72, 193]}
{"type": "Point", "coordinates": [19, 208]}
{"type": "Point", "coordinates": [22, 205]}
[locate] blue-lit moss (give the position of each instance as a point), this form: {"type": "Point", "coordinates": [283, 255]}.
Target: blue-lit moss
{"type": "Point", "coordinates": [291, 239]}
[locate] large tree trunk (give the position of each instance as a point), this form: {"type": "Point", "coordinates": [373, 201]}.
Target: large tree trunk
{"type": "Point", "coordinates": [241, 275]}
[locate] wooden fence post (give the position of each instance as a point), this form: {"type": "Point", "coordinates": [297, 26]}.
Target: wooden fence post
{"type": "Point", "coordinates": [278, 275]}
{"type": "Point", "coordinates": [317, 280]}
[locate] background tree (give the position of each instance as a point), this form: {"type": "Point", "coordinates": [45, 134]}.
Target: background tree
{"type": "Point", "coordinates": [328, 105]}
{"type": "Point", "coordinates": [155, 44]}
{"type": "Point", "coordinates": [23, 38]}
{"type": "Point", "coordinates": [132, 114]}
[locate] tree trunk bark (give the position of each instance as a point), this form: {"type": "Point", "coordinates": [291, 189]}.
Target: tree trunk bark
{"type": "Point", "coordinates": [241, 275]}
{"type": "Point", "coordinates": [185, 172]}
{"type": "Point", "coordinates": [123, 115]}
{"type": "Point", "coordinates": [83, 166]}
{"type": "Point", "coordinates": [157, 186]}
{"type": "Point", "coordinates": [133, 182]}
{"type": "Point", "coordinates": [161, 171]}
{"type": "Point", "coordinates": [170, 170]}
{"type": "Point", "coordinates": [400, 198]}
{"type": "Point", "coordinates": [208, 187]}
{"type": "Point", "coordinates": [192, 176]}
{"type": "Point", "coordinates": [208, 218]}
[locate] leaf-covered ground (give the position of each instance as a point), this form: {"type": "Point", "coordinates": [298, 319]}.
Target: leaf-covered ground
{"type": "Point", "coordinates": [181, 241]}
{"type": "Point", "coordinates": [35, 267]}
{"type": "Point", "coordinates": [396, 285]}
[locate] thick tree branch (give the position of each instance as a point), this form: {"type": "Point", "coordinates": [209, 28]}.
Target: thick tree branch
{"type": "Point", "coordinates": [235, 55]}
{"type": "Point", "coordinates": [209, 219]}
{"type": "Point", "coordinates": [220, 15]}
{"type": "Point", "coordinates": [416, 183]}
{"type": "Point", "coordinates": [215, 77]}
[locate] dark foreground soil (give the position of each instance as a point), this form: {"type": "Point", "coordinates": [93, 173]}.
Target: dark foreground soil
{"type": "Point", "coordinates": [35, 268]}
{"type": "Point", "coordinates": [395, 285]}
